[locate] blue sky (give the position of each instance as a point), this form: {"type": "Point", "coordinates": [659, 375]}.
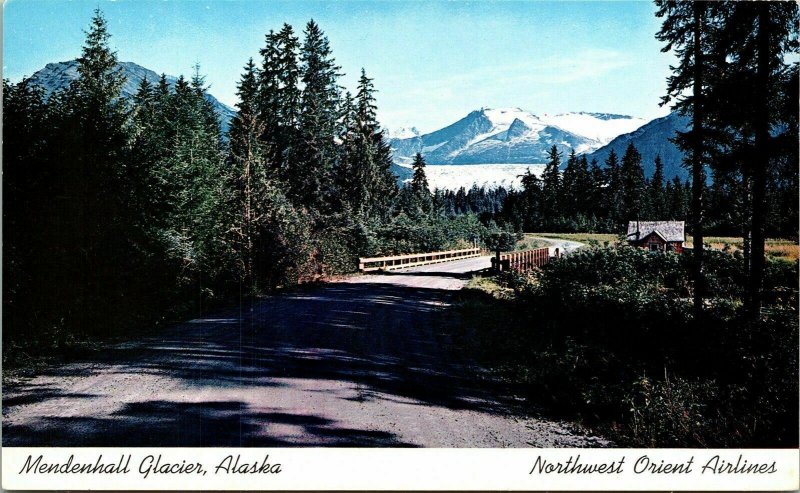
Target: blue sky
{"type": "Point", "coordinates": [432, 61]}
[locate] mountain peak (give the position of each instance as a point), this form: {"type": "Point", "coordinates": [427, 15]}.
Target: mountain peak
{"type": "Point", "coordinates": [58, 75]}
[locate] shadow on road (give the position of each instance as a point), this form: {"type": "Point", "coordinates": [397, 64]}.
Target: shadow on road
{"type": "Point", "coordinates": [394, 343]}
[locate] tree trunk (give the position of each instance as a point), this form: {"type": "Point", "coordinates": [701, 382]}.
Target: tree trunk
{"type": "Point", "coordinates": [698, 173]}
{"type": "Point", "coordinates": [761, 162]}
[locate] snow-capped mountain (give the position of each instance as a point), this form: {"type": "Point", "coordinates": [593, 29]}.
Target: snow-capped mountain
{"type": "Point", "coordinates": [601, 127]}
{"type": "Point", "coordinates": [402, 133]}
{"type": "Point", "coordinates": [512, 135]}
{"type": "Point", "coordinates": [55, 76]}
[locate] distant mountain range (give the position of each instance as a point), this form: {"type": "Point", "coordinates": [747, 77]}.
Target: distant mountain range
{"type": "Point", "coordinates": [486, 136]}
{"type": "Point", "coordinates": [56, 76]}
{"type": "Point", "coordinates": [516, 136]}
{"type": "Point", "coordinates": [511, 135]}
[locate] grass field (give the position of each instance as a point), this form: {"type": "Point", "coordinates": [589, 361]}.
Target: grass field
{"type": "Point", "coordinates": [592, 239]}
{"type": "Point", "coordinates": [776, 248]}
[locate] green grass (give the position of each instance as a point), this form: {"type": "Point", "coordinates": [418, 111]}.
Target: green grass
{"type": "Point", "coordinates": [780, 249]}
{"type": "Point", "coordinates": [490, 286]}
{"type": "Point", "coordinates": [591, 239]}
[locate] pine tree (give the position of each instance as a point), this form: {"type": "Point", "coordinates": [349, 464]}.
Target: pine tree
{"type": "Point", "coordinates": [419, 185]}
{"type": "Point", "coordinates": [530, 203]}
{"type": "Point", "coordinates": [372, 154]}
{"type": "Point", "coordinates": [247, 109]}
{"type": "Point", "coordinates": [753, 40]}
{"type": "Point", "coordinates": [633, 184]}
{"type": "Point", "coordinates": [278, 99]}
{"type": "Point", "coordinates": [656, 190]}
{"type": "Point", "coordinates": [28, 191]}
{"type": "Point", "coordinates": [687, 29]}
{"type": "Point", "coordinates": [597, 189]}
{"type": "Point", "coordinates": [312, 178]}
{"type": "Point", "coordinates": [551, 188]}
{"type": "Point", "coordinates": [614, 190]}
{"type": "Point", "coordinates": [98, 219]}
{"type": "Point", "coordinates": [584, 187]}
{"type": "Point", "coordinates": [570, 192]}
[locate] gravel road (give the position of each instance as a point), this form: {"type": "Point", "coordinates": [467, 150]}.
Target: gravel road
{"type": "Point", "coordinates": [362, 362]}
{"type": "Point", "coordinates": [564, 246]}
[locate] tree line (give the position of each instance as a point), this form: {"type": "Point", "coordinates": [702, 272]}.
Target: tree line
{"type": "Point", "coordinates": [587, 197]}
{"type": "Point", "coordinates": [120, 212]}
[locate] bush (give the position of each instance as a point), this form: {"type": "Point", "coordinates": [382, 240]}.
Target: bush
{"type": "Point", "coordinates": [608, 335]}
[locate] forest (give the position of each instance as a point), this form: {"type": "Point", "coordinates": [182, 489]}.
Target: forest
{"type": "Point", "coordinates": [121, 213]}
{"type": "Point", "coordinates": [125, 212]}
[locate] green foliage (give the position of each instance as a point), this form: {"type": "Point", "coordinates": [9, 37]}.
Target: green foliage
{"type": "Point", "coordinates": [608, 335]}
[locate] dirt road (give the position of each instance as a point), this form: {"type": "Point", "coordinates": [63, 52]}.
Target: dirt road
{"type": "Point", "coordinates": [363, 362]}
{"type": "Point", "coordinates": [565, 247]}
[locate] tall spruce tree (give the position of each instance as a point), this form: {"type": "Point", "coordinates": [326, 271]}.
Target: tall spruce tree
{"type": "Point", "coordinates": [633, 184]}
{"type": "Point", "coordinates": [96, 213]}
{"type": "Point", "coordinates": [570, 184]}
{"type": "Point", "coordinates": [688, 30]}
{"type": "Point", "coordinates": [551, 188]}
{"type": "Point", "coordinates": [419, 185]}
{"type": "Point", "coordinates": [312, 179]}
{"type": "Point", "coordinates": [753, 40]}
{"type": "Point", "coordinates": [613, 194]}
{"type": "Point", "coordinates": [655, 191]}
{"type": "Point", "coordinates": [373, 154]}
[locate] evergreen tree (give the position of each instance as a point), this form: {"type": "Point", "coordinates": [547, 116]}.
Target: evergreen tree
{"type": "Point", "coordinates": [311, 181]}
{"type": "Point", "coordinates": [633, 184]}
{"type": "Point", "coordinates": [613, 196]}
{"type": "Point", "coordinates": [570, 183]}
{"type": "Point", "coordinates": [29, 187]}
{"type": "Point", "coordinates": [370, 185]}
{"type": "Point", "coordinates": [656, 190]}
{"type": "Point", "coordinates": [551, 188]}
{"type": "Point", "coordinates": [247, 109]}
{"type": "Point", "coordinates": [530, 203]}
{"type": "Point", "coordinates": [584, 187]}
{"type": "Point", "coordinates": [753, 40]}
{"type": "Point", "coordinates": [687, 29]}
{"type": "Point", "coordinates": [419, 185]}
{"type": "Point", "coordinates": [279, 98]}
{"type": "Point", "coordinates": [97, 213]}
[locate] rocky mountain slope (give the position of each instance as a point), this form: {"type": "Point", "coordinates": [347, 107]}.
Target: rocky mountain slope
{"type": "Point", "coordinates": [512, 135]}
{"type": "Point", "coordinates": [651, 140]}
{"type": "Point", "coordinates": [56, 76]}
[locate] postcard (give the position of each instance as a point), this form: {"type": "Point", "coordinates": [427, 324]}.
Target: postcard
{"type": "Point", "coordinates": [412, 244]}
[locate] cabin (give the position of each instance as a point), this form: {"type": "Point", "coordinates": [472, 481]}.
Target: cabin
{"type": "Point", "coordinates": [657, 236]}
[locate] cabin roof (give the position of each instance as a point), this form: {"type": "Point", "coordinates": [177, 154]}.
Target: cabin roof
{"type": "Point", "coordinates": [668, 230]}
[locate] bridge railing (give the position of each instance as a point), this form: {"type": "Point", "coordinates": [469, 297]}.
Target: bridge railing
{"type": "Point", "coordinates": [523, 261]}
{"type": "Point", "coordinates": [368, 264]}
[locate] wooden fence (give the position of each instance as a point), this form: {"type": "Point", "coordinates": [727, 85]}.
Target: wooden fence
{"type": "Point", "coordinates": [414, 259]}
{"type": "Point", "coordinates": [523, 261]}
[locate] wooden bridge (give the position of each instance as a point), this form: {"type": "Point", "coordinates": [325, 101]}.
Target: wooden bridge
{"type": "Point", "coordinates": [523, 261]}
{"type": "Point", "coordinates": [368, 264]}
{"type": "Point", "coordinates": [517, 261]}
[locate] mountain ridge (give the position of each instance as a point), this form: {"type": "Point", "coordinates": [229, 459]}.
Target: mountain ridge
{"type": "Point", "coordinates": [512, 135]}
{"type": "Point", "coordinates": [55, 76]}
{"type": "Point", "coordinates": [651, 140]}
